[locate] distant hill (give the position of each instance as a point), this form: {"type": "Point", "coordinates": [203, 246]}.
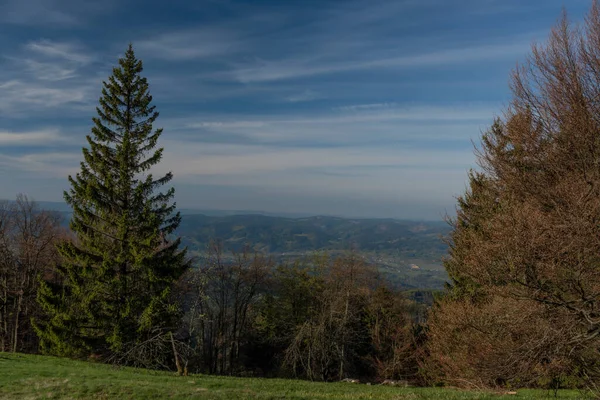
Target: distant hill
{"type": "Point", "coordinates": [409, 253]}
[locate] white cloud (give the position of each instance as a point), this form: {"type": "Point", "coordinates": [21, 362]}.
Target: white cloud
{"type": "Point", "coordinates": [67, 51]}
{"type": "Point", "coordinates": [46, 75]}
{"type": "Point", "coordinates": [48, 71]}
{"type": "Point", "coordinates": [19, 98]}
{"type": "Point", "coordinates": [33, 138]}
{"type": "Point", "coordinates": [44, 165]}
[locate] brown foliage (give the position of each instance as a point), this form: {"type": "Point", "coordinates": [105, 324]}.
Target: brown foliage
{"type": "Point", "coordinates": [498, 341]}
{"type": "Point", "coordinates": [527, 233]}
{"type": "Point", "coordinates": [545, 162]}
{"type": "Point", "coordinates": [393, 336]}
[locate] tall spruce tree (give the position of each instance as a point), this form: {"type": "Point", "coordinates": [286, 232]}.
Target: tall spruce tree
{"type": "Point", "coordinates": [117, 274]}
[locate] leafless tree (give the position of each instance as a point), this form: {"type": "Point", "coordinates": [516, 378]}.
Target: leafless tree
{"type": "Point", "coordinates": [222, 292]}
{"type": "Point", "coordinates": [327, 346]}
{"type": "Point", "coordinates": [27, 250]}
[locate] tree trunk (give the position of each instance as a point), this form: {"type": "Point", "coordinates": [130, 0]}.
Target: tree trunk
{"type": "Point", "coordinates": [16, 327]}
{"type": "Point", "coordinates": [344, 322]}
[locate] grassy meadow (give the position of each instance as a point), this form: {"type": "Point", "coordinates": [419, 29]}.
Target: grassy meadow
{"type": "Point", "coordinates": [39, 377]}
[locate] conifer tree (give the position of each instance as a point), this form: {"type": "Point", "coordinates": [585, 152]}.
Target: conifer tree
{"type": "Point", "coordinates": [470, 228]}
{"type": "Point", "coordinates": [117, 274]}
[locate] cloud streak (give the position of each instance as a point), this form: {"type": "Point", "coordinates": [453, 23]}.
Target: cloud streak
{"type": "Point", "coordinates": [268, 71]}
{"type": "Point", "coordinates": [46, 75]}
{"type": "Point", "coordinates": [190, 44]}
{"type": "Point", "coordinates": [352, 125]}
{"type": "Point", "coordinates": [34, 138]}
{"type": "Point", "coordinates": [20, 98]}
{"type": "Point", "coordinates": [66, 51]}
{"type": "Point", "coordinates": [228, 160]}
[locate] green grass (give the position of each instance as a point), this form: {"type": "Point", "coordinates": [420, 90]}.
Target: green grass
{"type": "Point", "coordinates": [39, 377]}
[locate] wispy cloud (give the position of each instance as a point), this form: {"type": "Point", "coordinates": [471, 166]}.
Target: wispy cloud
{"type": "Point", "coordinates": [223, 160]}
{"type": "Point", "coordinates": [190, 44]}
{"type": "Point", "coordinates": [49, 71]}
{"type": "Point", "coordinates": [345, 126]}
{"type": "Point", "coordinates": [62, 50]}
{"type": "Point", "coordinates": [46, 75]}
{"type": "Point", "coordinates": [33, 138]}
{"type": "Point", "coordinates": [372, 106]}
{"type": "Point", "coordinates": [48, 60]}
{"type": "Point", "coordinates": [351, 152]}
{"type": "Point", "coordinates": [266, 71]}
{"type": "Point", "coordinates": [46, 164]}
{"type": "Point", "coordinates": [306, 95]}
{"type": "Point", "coordinates": [20, 98]}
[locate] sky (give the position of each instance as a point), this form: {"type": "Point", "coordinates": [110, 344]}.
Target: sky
{"type": "Point", "coordinates": [362, 108]}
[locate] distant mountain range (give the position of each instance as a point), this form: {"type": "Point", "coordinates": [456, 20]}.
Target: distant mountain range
{"type": "Point", "coordinates": [279, 234]}
{"type": "Point", "coordinates": [408, 253]}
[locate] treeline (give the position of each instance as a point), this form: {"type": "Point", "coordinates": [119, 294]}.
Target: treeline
{"type": "Point", "coordinates": [322, 319]}
{"type": "Point", "coordinates": [327, 319]}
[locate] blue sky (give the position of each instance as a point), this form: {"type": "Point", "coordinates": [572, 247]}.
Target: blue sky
{"type": "Point", "coordinates": [345, 107]}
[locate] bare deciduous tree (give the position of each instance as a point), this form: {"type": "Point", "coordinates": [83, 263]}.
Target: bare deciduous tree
{"type": "Point", "coordinates": [331, 345]}
{"type": "Point", "coordinates": [222, 293]}
{"type": "Point", "coordinates": [27, 252]}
